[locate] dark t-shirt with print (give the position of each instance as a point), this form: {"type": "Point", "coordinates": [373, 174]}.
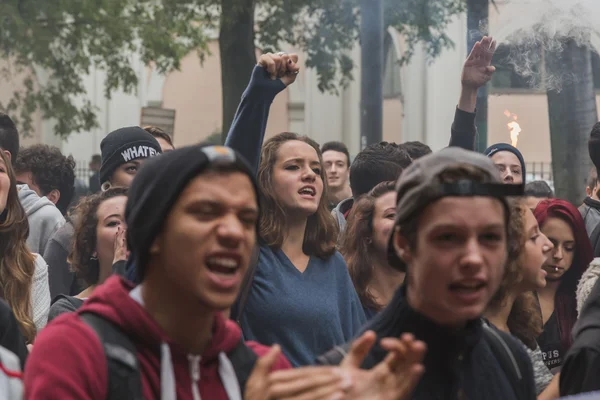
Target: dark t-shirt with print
{"type": "Point", "coordinates": [550, 344]}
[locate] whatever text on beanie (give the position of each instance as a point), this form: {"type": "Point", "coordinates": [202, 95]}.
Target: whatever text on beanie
{"type": "Point", "coordinates": [498, 147]}
{"type": "Point", "coordinates": [157, 187]}
{"type": "Point", "coordinates": [124, 145]}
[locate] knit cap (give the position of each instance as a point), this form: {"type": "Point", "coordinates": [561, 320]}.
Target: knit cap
{"type": "Point", "coordinates": [124, 145]}
{"type": "Point", "coordinates": [498, 147]}
{"type": "Point", "coordinates": [157, 187]}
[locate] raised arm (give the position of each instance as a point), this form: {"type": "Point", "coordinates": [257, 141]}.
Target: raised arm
{"type": "Point", "coordinates": [477, 71]}
{"type": "Point", "coordinates": [272, 75]}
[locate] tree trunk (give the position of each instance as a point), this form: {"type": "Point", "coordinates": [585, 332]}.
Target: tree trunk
{"type": "Point", "coordinates": [371, 93]}
{"type": "Point", "coordinates": [572, 113]}
{"type": "Point", "coordinates": [477, 17]}
{"type": "Point", "coordinates": [238, 54]}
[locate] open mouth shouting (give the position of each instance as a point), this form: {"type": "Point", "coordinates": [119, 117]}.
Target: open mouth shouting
{"type": "Point", "coordinates": [308, 192]}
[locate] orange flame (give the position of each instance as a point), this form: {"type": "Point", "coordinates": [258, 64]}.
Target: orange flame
{"type": "Point", "coordinates": [513, 127]}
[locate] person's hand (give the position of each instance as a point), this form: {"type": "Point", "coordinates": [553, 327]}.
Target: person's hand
{"type": "Point", "coordinates": [478, 69]}
{"type": "Point", "coordinates": [307, 383]}
{"type": "Point", "coordinates": [121, 253]}
{"type": "Point", "coordinates": [395, 378]}
{"type": "Point", "coordinates": [280, 66]}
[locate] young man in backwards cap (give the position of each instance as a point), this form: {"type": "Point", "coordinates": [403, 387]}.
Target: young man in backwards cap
{"type": "Point", "coordinates": [450, 238]}
{"type": "Point", "coordinates": [192, 221]}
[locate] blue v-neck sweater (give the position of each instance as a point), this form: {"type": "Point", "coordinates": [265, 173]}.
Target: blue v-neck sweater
{"type": "Point", "coordinates": [306, 313]}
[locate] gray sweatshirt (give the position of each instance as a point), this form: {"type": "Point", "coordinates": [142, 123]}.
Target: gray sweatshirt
{"type": "Point", "coordinates": [43, 217]}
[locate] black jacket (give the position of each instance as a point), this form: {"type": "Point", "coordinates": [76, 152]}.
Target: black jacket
{"type": "Point", "coordinates": [590, 212]}
{"type": "Point", "coordinates": [581, 367]}
{"type": "Point", "coordinates": [459, 364]}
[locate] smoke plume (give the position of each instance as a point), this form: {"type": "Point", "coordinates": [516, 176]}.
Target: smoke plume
{"type": "Point", "coordinates": [536, 28]}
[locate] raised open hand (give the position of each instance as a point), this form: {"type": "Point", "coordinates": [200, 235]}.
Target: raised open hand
{"type": "Point", "coordinates": [395, 378]}
{"type": "Point", "coordinates": [478, 69]}
{"type": "Point", "coordinates": [121, 253]}
{"type": "Point", "coordinates": [281, 66]}
{"type": "Point", "coordinates": [307, 383]}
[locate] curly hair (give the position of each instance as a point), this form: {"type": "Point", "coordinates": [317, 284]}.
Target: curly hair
{"type": "Point", "coordinates": [524, 320]}
{"type": "Point", "coordinates": [84, 243]}
{"type": "Point", "coordinates": [50, 170]}
{"type": "Point", "coordinates": [356, 243]}
{"type": "Point", "coordinates": [17, 263]}
{"type": "Point", "coordinates": [321, 229]}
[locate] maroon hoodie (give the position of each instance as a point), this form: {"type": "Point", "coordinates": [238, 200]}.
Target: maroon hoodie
{"type": "Point", "coordinates": [68, 360]}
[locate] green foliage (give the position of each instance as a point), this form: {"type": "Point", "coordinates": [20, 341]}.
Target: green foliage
{"type": "Point", "coordinates": [329, 29]}
{"type": "Point", "coordinates": [52, 45]}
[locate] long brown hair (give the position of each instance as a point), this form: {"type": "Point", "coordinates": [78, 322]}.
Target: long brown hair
{"type": "Point", "coordinates": [524, 320]}
{"type": "Point", "coordinates": [84, 243]}
{"type": "Point", "coordinates": [17, 263]}
{"type": "Point", "coordinates": [356, 244]}
{"type": "Point", "coordinates": [321, 230]}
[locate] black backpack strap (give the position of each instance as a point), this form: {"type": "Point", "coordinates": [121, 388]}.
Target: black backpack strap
{"type": "Point", "coordinates": [504, 354]}
{"type": "Point", "coordinates": [243, 360]}
{"type": "Point", "coordinates": [238, 307]}
{"type": "Point", "coordinates": [334, 356]}
{"type": "Point", "coordinates": [124, 377]}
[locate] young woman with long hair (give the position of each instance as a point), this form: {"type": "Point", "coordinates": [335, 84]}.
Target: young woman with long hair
{"type": "Point", "coordinates": [562, 223]}
{"type": "Point", "coordinates": [364, 247]}
{"type": "Point", "coordinates": [23, 275]}
{"type": "Point", "coordinates": [301, 296]}
{"type": "Point", "coordinates": [99, 242]}
{"type": "Point", "coordinates": [514, 308]}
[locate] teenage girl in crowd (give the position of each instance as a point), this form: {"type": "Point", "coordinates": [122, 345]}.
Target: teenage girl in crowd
{"type": "Point", "coordinates": [23, 275]}
{"type": "Point", "coordinates": [99, 243]}
{"type": "Point", "coordinates": [514, 308]}
{"type": "Point", "coordinates": [301, 296]}
{"type": "Point", "coordinates": [364, 245]}
{"type": "Point", "coordinates": [561, 222]}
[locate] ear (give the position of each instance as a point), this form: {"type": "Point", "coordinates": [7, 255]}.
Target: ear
{"type": "Point", "coordinates": [8, 155]}
{"type": "Point", "coordinates": [155, 248]}
{"type": "Point", "coordinates": [54, 196]}
{"type": "Point", "coordinates": [401, 247]}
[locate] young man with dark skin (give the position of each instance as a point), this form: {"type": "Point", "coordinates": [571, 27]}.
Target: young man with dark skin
{"type": "Point", "coordinates": [336, 160]}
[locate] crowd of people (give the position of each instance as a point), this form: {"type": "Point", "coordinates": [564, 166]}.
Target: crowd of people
{"type": "Point", "coordinates": [284, 269]}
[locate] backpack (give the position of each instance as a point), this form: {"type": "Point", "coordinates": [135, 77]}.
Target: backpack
{"type": "Point", "coordinates": [502, 350]}
{"type": "Point", "coordinates": [124, 376]}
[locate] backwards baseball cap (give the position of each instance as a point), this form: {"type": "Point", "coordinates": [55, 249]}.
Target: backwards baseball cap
{"type": "Point", "coordinates": [157, 187]}
{"type": "Point", "coordinates": [124, 145]}
{"type": "Point", "coordinates": [420, 185]}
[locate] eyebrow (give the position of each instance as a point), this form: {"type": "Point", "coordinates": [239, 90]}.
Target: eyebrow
{"type": "Point", "coordinates": [454, 226]}
{"type": "Point", "coordinates": [112, 216]}
{"type": "Point", "coordinates": [301, 160]}
{"type": "Point", "coordinates": [217, 204]}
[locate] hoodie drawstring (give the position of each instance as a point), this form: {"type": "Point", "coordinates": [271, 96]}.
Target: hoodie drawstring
{"type": "Point", "coordinates": [168, 389]}
{"type": "Point", "coordinates": [167, 374]}
{"type": "Point", "coordinates": [195, 375]}
{"type": "Point", "coordinates": [229, 378]}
